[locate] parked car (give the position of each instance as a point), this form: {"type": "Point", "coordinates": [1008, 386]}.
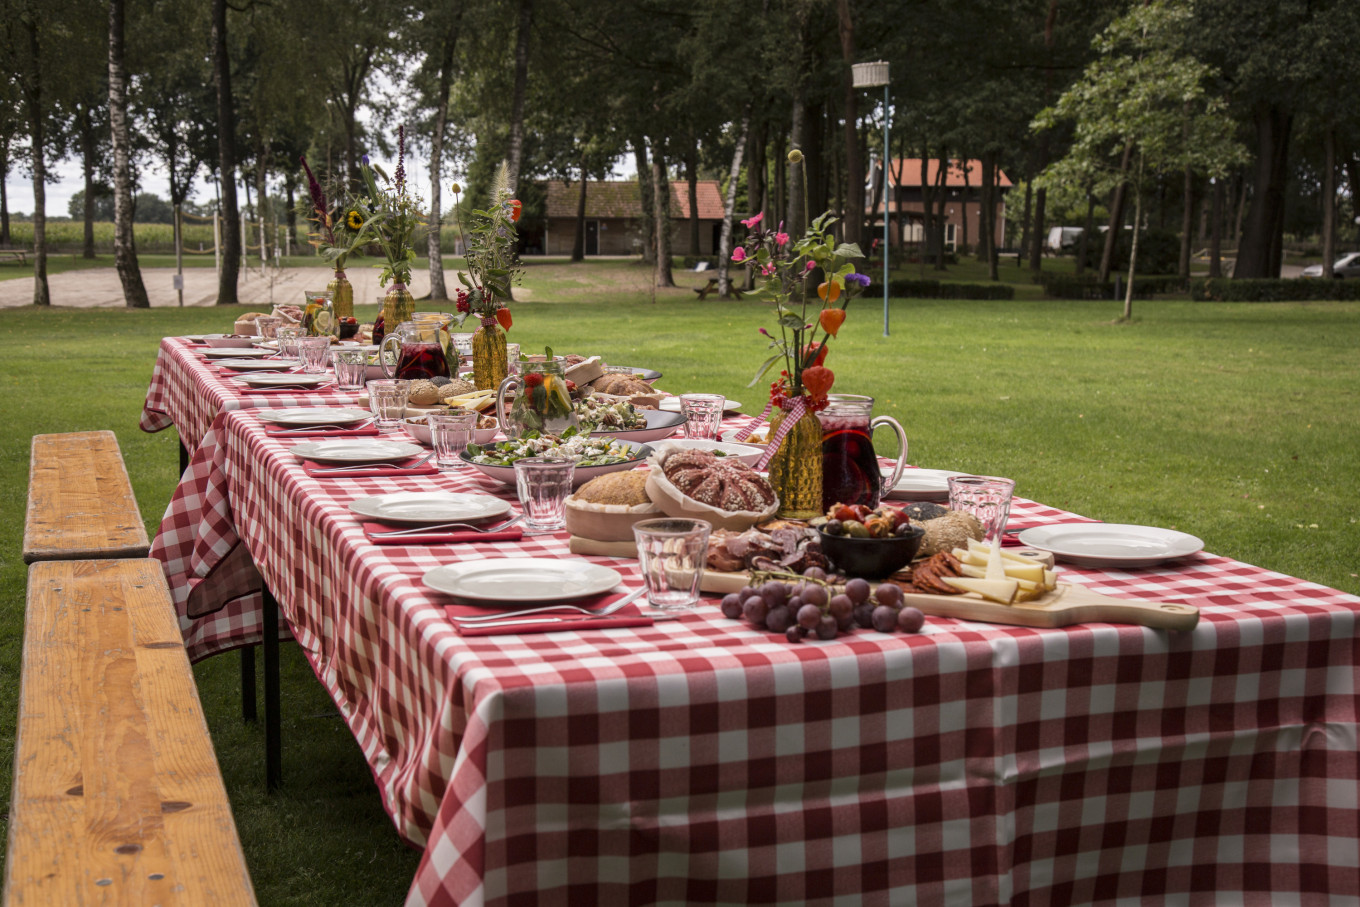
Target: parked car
{"type": "Point", "coordinates": [1345, 266]}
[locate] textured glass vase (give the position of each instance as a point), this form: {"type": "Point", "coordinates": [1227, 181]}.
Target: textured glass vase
{"type": "Point", "coordinates": [489, 365]}
{"type": "Point", "coordinates": [342, 295]}
{"type": "Point", "coordinates": [796, 468]}
{"type": "Point", "coordinates": [398, 306]}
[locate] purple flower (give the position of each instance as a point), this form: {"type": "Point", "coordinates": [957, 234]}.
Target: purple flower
{"type": "Point", "coordinates": [861, 279]}
{"type": "Point", "coordinates": [364, 159]}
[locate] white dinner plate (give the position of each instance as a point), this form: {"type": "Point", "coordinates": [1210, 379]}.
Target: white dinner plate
{"type": "Point", "coordinates": [417, 507]}
{"type": "Point", "coordinates": [921, 485]}
{"type": "Point", "coordinates": [283, 380]}
{"type": "Point", "coordinates": [522, 579]}
{"type": "Point", "coordinates": [258, 365]}
{"type": "Point", "coordinates": [314, 415]}
{"type": "Point", "coordinates": [356, 450]}
{"type": "Point", "coordinates": [229, 353]}
{"type": "Point", "coordinates": [1111, 544]}
{"type": "Point", "coordinates": [672, 404]}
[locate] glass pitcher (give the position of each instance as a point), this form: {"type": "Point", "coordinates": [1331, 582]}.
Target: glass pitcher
{"type": "Point", "coordinates": [850, 473]}
{"type": "Point", "coordinates": [416, 348]}
{"type": "Point", "coordinates": [442, 322]}
{"type": "Point", "coordinates": [542, 403]}
{"type": "Point", "coordinates": [318, 318]}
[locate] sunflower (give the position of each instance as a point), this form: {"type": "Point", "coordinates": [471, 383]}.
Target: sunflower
{"type": "Point", "coordinates": [353, 220]}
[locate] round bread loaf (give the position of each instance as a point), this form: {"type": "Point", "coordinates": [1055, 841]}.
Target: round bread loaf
{"type": "Point", "coordinates": [625, 489]}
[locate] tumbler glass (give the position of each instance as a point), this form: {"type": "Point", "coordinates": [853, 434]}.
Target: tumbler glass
{"type": "Point", "coordinates": [267, 326]}
{"type": "Point", "coordinates": [313, 351]}
{"type": "Point", "coordinates": [450, 434]}
{"type": "Point", "coordinates": [986, 497]}
{"type": "Point", "coordinates": [703, 415]}
{"type": "Point", "coordinates": [287, 335]}
{"type": "Point", "coordinates": [543, 485]}
{"type": "Point", "coordinates": [672, 554]}
{"type": "Point", "coordinates": [351, 367]}
{"type": "Point", "coordinates": [387, 400]}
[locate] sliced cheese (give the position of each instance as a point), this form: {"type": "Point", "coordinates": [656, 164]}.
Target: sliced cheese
{"type": "Point", "coordinates": [1050, 580]}
{"type": "Point", "coordinates": [997, 590]}
{"type": "Point", "coordinates": [996, 564]}
{"type": "Point", "coordinates": [1032, 572]}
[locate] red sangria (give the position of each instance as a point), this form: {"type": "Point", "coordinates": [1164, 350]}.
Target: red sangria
{"type": "Point", "coordinates": [422, 359]}
{"type": "Point", "coordinates": [850, 470]}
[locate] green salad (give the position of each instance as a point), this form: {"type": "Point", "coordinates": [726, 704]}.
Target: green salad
{"type": "Point", "coordinates": [570, 445]}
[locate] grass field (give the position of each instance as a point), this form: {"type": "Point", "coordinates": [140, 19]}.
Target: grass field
{"type": "Point", "coordinates": [1233, 422]}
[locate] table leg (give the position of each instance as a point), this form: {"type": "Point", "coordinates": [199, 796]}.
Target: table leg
{"type": "Point", "coordinates": [183, 457]}
{"type": "Point", "coordinates": [248, 684]}
{"type": "Point", "coordinates": [273, 752]}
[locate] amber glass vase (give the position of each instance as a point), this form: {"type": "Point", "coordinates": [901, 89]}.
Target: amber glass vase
{"type": "Point", "coordinates": [342, 295]}
{"type": "Point", "coordinates": [398, 306]}
{"type": "Point", "coordinates": [489, 366]}
{"type": "Point", "coordinates": [796, 468]}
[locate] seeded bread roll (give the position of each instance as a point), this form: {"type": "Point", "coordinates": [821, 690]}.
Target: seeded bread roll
{"type": "Point", "coordinates": [623, 488]}
{"type": "Point", "coordinates": [456, 388]}
{"type": "Point", "coordinates": [623, 385]}
{"type": "Point", "coordinates": [423, 393]}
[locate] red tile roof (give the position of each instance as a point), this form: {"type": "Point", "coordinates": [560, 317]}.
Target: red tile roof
{"type": "Point", "coordinates": [619, 198]}
{"type": "Point", "coordinates": [906, 172]}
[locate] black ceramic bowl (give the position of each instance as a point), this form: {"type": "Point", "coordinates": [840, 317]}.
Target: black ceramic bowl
{"type": "Point", "coordinates": [871, 558]}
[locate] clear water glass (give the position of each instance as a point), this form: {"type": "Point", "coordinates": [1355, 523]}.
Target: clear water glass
{"type": "Point", "coordinates": [450, 434]}
{"type": "Point", "coordinates": [543, 485]}
{"type": "Point", "coordinates": [314, 351]}
{"type": "Point", "coordinates": [267, 326]}
{"type": "Point", "coordinates": [462, 343]}
{"type": "Point", "coordinates": [512, 358]}
{"type": "Point", "coordinates": [351, 368]}
{"type": "Point", "coordinates": [387, 400]}
{"type": "Point", "coordinates": [672, 554]}
{"type": "Point", "coordinates": [986, 497]}
{"type": "Point", "coordinates": [287, 335]}
{"type": "Point", "coordinates": [703, 415]}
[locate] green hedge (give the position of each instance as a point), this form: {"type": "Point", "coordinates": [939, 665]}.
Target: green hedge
{"type": "Point", "coordinates": [934, 289]}
{"type": "Point", "coordinates": [1222, 289]}
{"type": "Point", "coordinates": [1069, 286]}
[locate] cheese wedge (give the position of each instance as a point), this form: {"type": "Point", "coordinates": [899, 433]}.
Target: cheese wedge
{"type": "Point", "coordinates": [996, 564]}
{"type": "Point", "coordinates": [1002, 591]}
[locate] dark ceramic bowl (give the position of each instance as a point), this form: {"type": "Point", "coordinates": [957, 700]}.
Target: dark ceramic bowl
{"type": "Point", "coordinates": [871, 558]}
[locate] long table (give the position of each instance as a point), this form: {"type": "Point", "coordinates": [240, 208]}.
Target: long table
{"type": "Point", "coordinates": [702, 761]}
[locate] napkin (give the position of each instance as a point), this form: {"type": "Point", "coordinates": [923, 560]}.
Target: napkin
{"type": "Point", "coordinates": [267, 391]}
{"type": "Point", "coordinates": [440, 536]}
{"type": "Point", "coordinates": [628, 616]}
{"type": "Point", "coordinates": [370, 432]}
{"type": "Point", "coordinates": [317, 471]}
{"type": "Point", "coordinates": [1012, 539]}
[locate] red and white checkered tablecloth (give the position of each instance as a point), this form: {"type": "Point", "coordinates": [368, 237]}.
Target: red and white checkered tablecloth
{"type": "Point", "coordinates": [701, 761]}
{"type": "Point", "coordinates": [188, 391]}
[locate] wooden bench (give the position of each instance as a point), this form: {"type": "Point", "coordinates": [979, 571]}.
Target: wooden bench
{"type": "Point", "coordinates": [12, 254]}
{"type": "Point", "coordinates": [117, 796]}
{"type": "Point", "coordinates": [712, 287]}
{"type": "Point", "coordinates": [80, 502]}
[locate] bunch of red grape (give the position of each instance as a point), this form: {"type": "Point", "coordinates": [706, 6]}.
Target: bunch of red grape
{"type": "Point", "coordinates": [811, 607]}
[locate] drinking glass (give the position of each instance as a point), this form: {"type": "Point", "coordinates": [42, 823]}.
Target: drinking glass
{"type": "Point", "coordinates": [351, 367]}
{"type": "Point", "coordinates": [287, 335]}
{"type": "Point", "coordinates": [313, 351]}
{"type": "Point", "coordinates": [703, 415]}
{"type": "Point", "coordinates": [462, 343]}
{"type": "Point", "coordinates": [986, 497]}
{"type": "Point", "coordinates": [543, 485]}
{"type": "Point", "coordinates": [512, 358]}
{"type": "Point", "coordinates": [450, 433]}
{"type": "Point", "coordinates": [387, 400]}
{"type": "Point", "coordinates": [267, 326]}
{"type": "Point", "coordinates": [672, 553]}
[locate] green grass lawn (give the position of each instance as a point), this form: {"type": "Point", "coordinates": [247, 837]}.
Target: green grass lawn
{"type": "Point", "coordinates": [1234, 422]}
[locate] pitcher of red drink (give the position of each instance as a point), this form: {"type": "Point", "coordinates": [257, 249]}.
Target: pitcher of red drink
{"type": "Point", "coordinates": [418, 352]}
{"type": "Point", "coordinates": [850, 473]}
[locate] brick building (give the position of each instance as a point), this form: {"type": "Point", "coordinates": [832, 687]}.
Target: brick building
{"type": "Point", "coordinates": [614, 213]}
{"type": "Point", "coordinates": [962, 197]}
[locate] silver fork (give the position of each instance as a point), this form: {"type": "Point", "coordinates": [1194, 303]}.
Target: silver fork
{"type": "Point", "coordinates": [603, 612]}
{"type": "Point", "coordinates": [306, 428]}
{"type": "Point", "coordinates": [469, 526]}
{"type": "Point", "coordinates": [415, 465]}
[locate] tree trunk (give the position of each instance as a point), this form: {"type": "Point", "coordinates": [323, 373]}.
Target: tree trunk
{"type": "Point", "coordinates": [853, 222]}
{"type": "Point", "coordinates": [4, 194]}
{"type": "Point", "coordinates": [433, 239]}
{"type": "Point", "coordinates": [1353, 175]}
{"type": "Point", "coordinates": [1328, 202]}
{"type": "Point", "coordinates": [967, 191]}
{"type": "Point", "coordinates": [797, 198]}
{"type": "Point", "coordinates": [1036, 250]}
{"type": "Point", "coordinates": [779, 194]}
{"type": "Point", "coordinates": [87, 152]}
{"type": "Point", "coordinates": [725, 243]}
{"type": "Point", "coordinates": [124, 250]}
{"type": "Point", "coordinates": [1116, 225]}
{"type": "Point", "coordinates": [1187, 222]}
{"type": "Point", "coordinates": [1240, 189]}
{"type": "Point", "coordinates": [661, 189]}
{"type": "Point", "coordinates": [645, 199]}
{"type": "Point", "coordinates": [1088, 227]}
{"type": "Point", "coordinates": [1261, 234]}
{"type": "Point", "coordinates": [292, 210]}
{"type": "Point", "coordinates": [994, 264]}
{"type": "Point", "coordinates": [578, 244]}
{"type": "Point", "coordinates": [755, 170]}
{"type": "Point", "coordinates": [941, 199]}
{"type": "Point", "coordinates": [986, 229]}
{"type": "Point", "coordinates": [41, 294]}
{"type": "Point", "coordinates": [1216, 232]}
{"type": "Point", "coordinates": [815, 190]}
{"type": "Point", "coordinates": [927, 211]}
{"type": "Point", "coordinates": [1133, 250]}
{"type": "Point", "coordinates": [516, 151]}
{"type": "Point", "coordinates": [262, 199]}
{"type": "Point", "coordinates": [226, 158]}
{"type": "Point", "coordinates": [692, 180]}
{"type": "Point", "coordinates": [1024, 219]}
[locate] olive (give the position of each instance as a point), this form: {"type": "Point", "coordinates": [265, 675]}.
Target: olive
{"type": "Point", "coordinates": [855, 529]}
{"type": "Point", "coordinates": [833, 527]}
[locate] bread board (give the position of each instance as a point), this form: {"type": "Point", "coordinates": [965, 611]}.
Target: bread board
{"type": "Point", "coordinates": [1062, 607]}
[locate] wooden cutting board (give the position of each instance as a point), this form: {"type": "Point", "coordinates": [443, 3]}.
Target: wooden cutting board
{"type": "Point", "coordinates": [1065, 605]}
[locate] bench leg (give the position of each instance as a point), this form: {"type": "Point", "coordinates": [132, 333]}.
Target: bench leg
{"type": "Point", "coordinates": [248, 684]}
{"type": "Point", "coordinates": [273, 749]}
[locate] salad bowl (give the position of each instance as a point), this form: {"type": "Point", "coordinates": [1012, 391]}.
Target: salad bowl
{"type": "Point", "coordinates": [595, 456]}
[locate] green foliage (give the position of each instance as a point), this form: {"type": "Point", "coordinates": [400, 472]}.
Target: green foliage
{"type": "Point", "coordinates": [491, 240]}
{"type": "Point", "coordinates": [1296, 290]}
{"type": "Point", "coordinates": [1070, 286]}
{"type": "Point", "coordinates": [1159, 251]}
{"type": "Point", "coordinates": [934, 289]}
{"type": "Point", "coordinates": [388, 216]}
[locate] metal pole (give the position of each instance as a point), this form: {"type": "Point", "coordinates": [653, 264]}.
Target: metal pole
{"type": "Point", "coordinates": [887, 125]}
{"type": "Point", "coordinates": [179, 258]}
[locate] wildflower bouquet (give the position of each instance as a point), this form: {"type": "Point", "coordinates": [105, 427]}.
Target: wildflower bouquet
{"type": "Point", "coordinates": [338, 224]}
{"type": "Point", "coordinates": [389, 216]}
{"type": "Point", "coordinates": [492, 269]}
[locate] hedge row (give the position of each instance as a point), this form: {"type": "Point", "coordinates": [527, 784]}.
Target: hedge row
{"type": "Point", "coordinates": [1069, 286]}
{"type": "Point", "coordinates": [934, 289]}
{"type": "Point", "coordinates": [1298, 290]}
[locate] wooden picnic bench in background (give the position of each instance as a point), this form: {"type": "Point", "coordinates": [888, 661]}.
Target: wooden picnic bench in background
{"type": "Point", "coordinates": [21, 255]}
{"type": "Point", "coordinates": [712, 287]}
{"type": "Point", "coordinates": [117, 797]}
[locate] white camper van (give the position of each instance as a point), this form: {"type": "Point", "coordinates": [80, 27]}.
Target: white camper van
{"type": "Point", "coordinates": [1064, 239]}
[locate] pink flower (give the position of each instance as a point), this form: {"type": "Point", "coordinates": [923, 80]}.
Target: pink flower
{"type": "Point", "coordinates": [739, 253]}
{"type": "Point", "coordinates": [810, 265]}
{"type": "Point", "coordinates": [752, 221]}
{"type": "Point", "coordinates": [767, 269]}
{"type": "Point", "coordinates": [781, 239]}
